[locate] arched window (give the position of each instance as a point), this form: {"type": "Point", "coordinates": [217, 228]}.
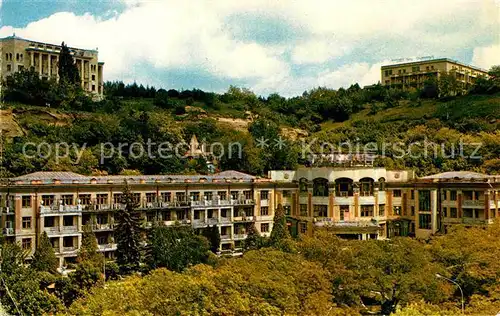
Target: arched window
{"type": "Point", "coordinates": [303, 185]}
{"type": "Point", "coordinates": [343, 187]}
{"type": "Point", "coordinates": [320, 187]}
{"type": "Point", "coordinates": [381, 184]}
{"type": "Point", "coordinates": [366, 187]}
{"type": "Point", "coordinates": [17, 56]}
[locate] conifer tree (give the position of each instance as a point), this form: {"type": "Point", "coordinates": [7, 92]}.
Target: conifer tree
{"type": "Point", "coordinates": [128, 233]}
{"type": "Point", "coordinates": [213, 236]}
{"type": "Point", "coordinates": [89, 249]}
{"type": "Point", "coordinates": [44, 258]}
{"type": "Point", "coordinates": [68, 71]}
{"type": "Point", "coordinates": [254, 239]}
{"type": "Point", "coordinates": [280, 236]}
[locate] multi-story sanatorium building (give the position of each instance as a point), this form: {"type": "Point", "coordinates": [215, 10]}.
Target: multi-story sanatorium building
{"type": "Point", "coordinates": [17, 54]}
{"type": "Point", "coordinates": [357, 203]}
{"type": "Point", "coordinates": [414, 74]}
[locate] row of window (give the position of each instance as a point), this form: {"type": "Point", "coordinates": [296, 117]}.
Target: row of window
{"type": "Point", "coordinates": [9, 57]}
{"type": "Point", "coordinates": [85, 199]}
{"type": "Point", "coordinates": [322, 210]}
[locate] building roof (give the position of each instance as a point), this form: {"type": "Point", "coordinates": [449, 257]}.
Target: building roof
{"type": "Point", "coordinates": [48, 177]}
{"type": "Point", "coordinates": [434, 61]}
{"type": "Point", "coordinates": [459, 175]}
{"type": "Point", "coordinates": [15, 37]}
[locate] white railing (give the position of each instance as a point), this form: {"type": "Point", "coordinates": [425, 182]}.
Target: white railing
{"type": "Point", "coordinates": [199, 222]}
{"type": "Point", "coordinates": [240, 236]}
{"type": "Point", "coordinates": [69, 228]}
{"type": "Point", "coordinates": [69, 249]}
{"type": "Point", "coordinates": [102, 226]}
{"type": "Point", "coordinates": [8, 231]}
{"type": "Point", "coordinates": [473, 203]}
{"type": "Point", "coordinates": [225, 220]}
{"type": "Point", "coordinates": [225, 237]}
{"type": "Point", "coordinates": [45, 209]}
{"type": "Point", "coordinates": [51, 229]}
{"type": "Point", "coordinates": [107, 247]}
{"type": "Point", "coordinates": [212, 221]}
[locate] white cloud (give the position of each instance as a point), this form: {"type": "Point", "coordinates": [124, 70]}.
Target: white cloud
{"type": "Point", "coordinates": [191, 35]}
{"type": "Point", "coordinates": [486, 57]}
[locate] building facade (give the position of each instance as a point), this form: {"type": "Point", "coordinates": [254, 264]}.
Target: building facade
{"type": "Point", "coordinates": [356, 203]}
{"type": "Point", "coordinates": [18, 53]}
{"type": "Point", "coordinates": [415, 74]}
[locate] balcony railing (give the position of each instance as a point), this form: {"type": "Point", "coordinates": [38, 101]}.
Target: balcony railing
{"type": "Point", "coordinates": [60, 208]}
{"type": "Point", "coordinates": [225, 237]}
{"type": "Point", "coordinates": [225, 220]}
{"type": "Point", "coordinates": [240, 236]}
{"type": "Point", "coordinates": [69, 249]}
{"type": "Point", "coordinates": [199, 223]}
{"type": "Point", "coordinates": [8, 231]}
{"type": "Point", "coordinates": [107, 247]}
{"type": "Point", "coordinates": [244, 219]}
{"type": "Point", "coordinates": [69, 228]}
{"type": "Point", "coordinates": [473, 203]}
{"type": "Point", "coordinates": [476, 221]}
{"type": "Point", "coordinates": [212, 221]}
{"type": "Point", "coordinates": [97, 227]}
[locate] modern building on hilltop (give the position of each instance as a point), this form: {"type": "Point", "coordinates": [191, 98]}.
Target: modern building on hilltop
{"type": "Point", "coordinates": [356, 203]}
{"type": "Point", "coordinates": [414, 74]}
{"type": "Point", "coordinates": [18, 53]}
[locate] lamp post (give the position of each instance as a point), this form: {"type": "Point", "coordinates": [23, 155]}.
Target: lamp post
{"type": "Point", "coordinates": [439, 276]}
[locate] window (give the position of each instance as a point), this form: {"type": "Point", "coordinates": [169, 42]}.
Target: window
{"type": "Point", "coordinates": [49, 221]}
{"type": "Point", "coordinates": [68, 242]}
{"type": "Point", "coordinates": [303, 209]}
{"type": "Point", "coordinates": [367, 211]}
{"type": "Point", "coordinates": [26, 201]}
{"type": "Point", "coordinates": [320, 210]}
{"type": "Point", "coordinates": [396, 193]}
{"type": "Point", "coordinates": [366, 187]}
{"type": "Point", "coordinates": [303, 228]}
{"type": "Point", "coordinates": [303, 185]}
{"type": "Point", "coordinates": [264, 210]}
{"type": "Point", "coordinates": [287, 193]}
{"type": "Point", "coordinates": [234, 195]}
{"type": "Point", "coordinates": [248, 195]}
{"type": "Point", "coordinates": [412, 208]}
{"type": "Point", "coordinates": [150, 217]}
{"type": "Point", "coordinates": [102, 199]}
{"type": "Point", "coordinates": [208, 196]}
{"type": "Point", "coordinates": [197, 214]}
{"type": "Point", "coordinates": [381, 209]}
{"type": "Point", "coordinates": [150, 197]}
{"type": "Point", "coordinates": [47, 200]}
{"type": "Point", "coordinates": [264, 195]}
{"type": "Point", "coordinates": [264, 228]}
{"type": "Point", "coordinates": [102, 219]}
{"type": "Point", "coordinates": [84, 199]}
{"type": "Point", "coordinates": [20, 67]}
{"type": "Point", "coordinates": [136, 198]}
{"type": "Point", "coordinates": [9, 68]}
{"type": "Point", "coordinates": [453, 195]}
{"type": "Point", "coordinates": [424, 221]}
{"type": "Point", "coordinates": [67, 220]}
{"type": "Point", "coordinates": [320, 187]}
{"type": "Point", "coordinates": [412, 194]}
{"type": "Point", "coordinates": [180, 196]}
{"type": "Point", "coordinates": [26, 243]}
{"type": "Point", "coordinates": [67, 199]}
{"type": "Point", "coordinates": [27, 222]}
{"type": "Point", "coordinates": [166, 196]}
{"type": "Point", "coordinates": [424, 200]}
{"type": "Point", "coordinates": [222, 195]}
{"type": "Point", "coordinates": [117, 198]}
{"type": "Point", "coordinates": [453, 212]}
{"type": "Point", "coordinates": [93, 77]}
{"type": "Point", "coordinates": [343, 210]}
{"type": "Point", "coordinates": [288, 209]}
{"type": "Point", "coordinates": [93, 87]}
{"type": "Point", "coordinates": [194, 196]}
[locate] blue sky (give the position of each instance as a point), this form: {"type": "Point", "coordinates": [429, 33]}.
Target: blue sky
{"type": "Point", "coordinates": [267, 46]}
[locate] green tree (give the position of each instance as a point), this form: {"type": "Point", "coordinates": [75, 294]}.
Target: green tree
{"type": "Point", "coordinates": [88, 251]}
{"type": "Point", "coordinates": [280, 236]}
{"type": "Point", "coordinates": [44, 258]}
{"type": "Point", "coordinates": [128, 233]}
{"type": "Point", "coordinates": [212, 234]}
{"type": "Point", "coordinates": [177, 247]}
{"type": "Point", "coordinates": [254, 240]}
{"type": "Point", "coordinates": [68, 71]}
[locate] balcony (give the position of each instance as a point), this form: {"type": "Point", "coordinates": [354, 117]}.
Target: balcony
{"type": "Point", "coordinates": [61, 229]}
{"type": "Point", "coordinates": [212, 221]}
{"type": "Point", "coordinates": [102, 227]}
{"type": "Point", "coordinates": [69, 249]}
{"type": "Point", "coordinates": [198, 223]}
{"type": "Point", "coordinates": [476, 221]}
{"type": "Point", "coordinates": [243, 219]}
{"type": "Point", "coordinates": [54, 209]}
{"type": "Point", "coordinates": [8, 231]}
{"type": "Point", "coordinates": [69, 229]}
{"type": "Point", "coordinates": [225, 220]}
{"type": "Point", "coordinates": [107, 247]}
{"type": "Point", "coordinates": [240, 236]}
{"type": "Point", "coordinates": [225, 237]}
{"type": "Point", "coordinates": [473, 203]}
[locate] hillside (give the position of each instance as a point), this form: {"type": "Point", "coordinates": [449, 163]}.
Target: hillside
{"type": "Point", "coordinates": [137, 115]}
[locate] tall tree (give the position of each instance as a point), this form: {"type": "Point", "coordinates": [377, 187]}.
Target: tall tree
{"type": "Point", "coordinates": [128, 233]}
{"type": "Point", "coordinates": [213, 236]}
{"type": "Point", "coordinates": [45, 258]}
{"type": "Point", "coordinates": [68, 71]}
{"type": "Point", "coordinates": [254, 239]}
{"type": "Point", "coordinates": [280, 236]}
{"type": "Point", "coordinates": [88, 251]}
{"type": "Point", "coordinates": [177, 247]}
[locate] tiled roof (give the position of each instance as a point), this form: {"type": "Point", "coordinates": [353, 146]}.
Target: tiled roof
{"type": "Point", "coordinates": [70, 177]}
{"type": "Point", "coordinates": [458, 175]}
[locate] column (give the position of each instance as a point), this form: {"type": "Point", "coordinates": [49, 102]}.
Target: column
{"type": "Point", "coordinates": [40, 64]}
{"type": "Point", "coordinates": [309, 203]}
{"type": "Point", "coordinates": [17, 213]}
{"type": "Point", "coordinates": [32, 56]}
{"type": "Point", "coordinates": [57, 64]}
{"type": "Point", "coordinates": [49, 64]}
{"type": "Point", "coordinates": [331, 202]}
{"type": "Point", "coordinates": [356, 202]}
{"type": "Point", "coordinates": [376, 208]}
{"type": "Point", "coordinates": [434, 210]}
{"type": "Point", "coordinates": [487, 205]}
{"type": "Point", "coordinates": [61, 222]}
{"type": "Point", "coordinates": [459, 203]}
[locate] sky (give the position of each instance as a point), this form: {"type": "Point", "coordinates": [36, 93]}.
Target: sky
{"type": "Point", "coordinates": [267, 46]}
